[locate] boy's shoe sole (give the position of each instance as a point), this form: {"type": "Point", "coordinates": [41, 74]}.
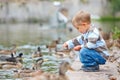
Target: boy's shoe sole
{"type": "Point", "coordinates": [90, 69]}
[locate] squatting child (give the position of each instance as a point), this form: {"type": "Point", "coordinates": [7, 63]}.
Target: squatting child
{"type": "Point", "coordinates": [90, 44]}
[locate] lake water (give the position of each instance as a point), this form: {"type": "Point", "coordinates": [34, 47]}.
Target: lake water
{"type": "Point", "coordinates": [21, 34]}
{"type": "Point", "coordinates": [24, 33]}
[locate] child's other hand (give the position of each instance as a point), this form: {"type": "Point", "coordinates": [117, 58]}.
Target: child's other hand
{"type": "Point", "coordinates": [77, 48]}
{"type": "Point", "coordinates": [65, 45]}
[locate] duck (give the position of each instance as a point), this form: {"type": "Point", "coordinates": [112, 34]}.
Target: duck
{"type": "Point", "coordinates": [104, 34]}
{"type": "Point", "coordinates": [65, 51]}
{"type": "Point", "coordinates": [37, 53]}
{"type": "Point", "coordinates": [38, 63]}
{"type": "Point", "coordinates": [64, 66]}
{"type": "Point", "coordinates": [57, 41]}
{"type": "Point", "coordinates": [11, 65]}
{"type": "Point", "coordinates": [27, 72]}
{"type": "Point", "coordinates": [12, 58]}
{"type": "Point", "coordinates": [7, 52]}
{"type": "Point", "coordinates": [4, 63]}
{"type": "Point", "coordinates": [4, 57]}
{"type": "Point", "coordinates": [53, 44]}
{"type": "Point", "coordinates": [109, 41]}
{"type": "Point", "coordinates": [62, 53]}
{"type": "Point", "coordinates": [108, 37]}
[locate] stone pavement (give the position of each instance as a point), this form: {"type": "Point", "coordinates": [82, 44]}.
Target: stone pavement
{"type": "Point", "coordinates": [107, 72]}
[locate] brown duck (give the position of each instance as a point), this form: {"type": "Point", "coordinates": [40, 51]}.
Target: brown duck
{"type": "Point", "coordinates": [37, 53]}
{"type": "Point", "coordinates": [27, 72]}
{"type": "Point", "coordinates": [64, 66]}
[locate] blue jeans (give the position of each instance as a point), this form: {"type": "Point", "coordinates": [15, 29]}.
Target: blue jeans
{"type": "Point", "coordinates": [90, 57]}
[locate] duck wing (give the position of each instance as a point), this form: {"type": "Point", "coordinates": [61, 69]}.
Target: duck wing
{"type": "Point", "coordinates": [11, 59]}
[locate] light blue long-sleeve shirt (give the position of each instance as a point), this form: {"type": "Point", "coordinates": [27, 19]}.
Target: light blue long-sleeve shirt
{"type": "Point", "coordinates": [92, 39]}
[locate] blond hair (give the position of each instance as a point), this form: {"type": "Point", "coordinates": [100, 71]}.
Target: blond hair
{"type": "Point", "coordinates": [81, 16]}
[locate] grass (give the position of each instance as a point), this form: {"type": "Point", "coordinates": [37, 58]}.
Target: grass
{"type": "Point", "coordinates": [108, 19]}
{"type": "Point", "coordinates": [116, 33]}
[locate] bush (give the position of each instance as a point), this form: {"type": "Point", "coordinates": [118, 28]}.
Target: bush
{"type": "Point", "coordinates": [116, 33]}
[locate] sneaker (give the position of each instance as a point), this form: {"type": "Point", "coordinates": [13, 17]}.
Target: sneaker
{"type": "Point", "coordinates": [90, 69]}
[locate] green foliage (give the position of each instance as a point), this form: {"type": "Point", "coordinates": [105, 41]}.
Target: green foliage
{"type": "Point", "coordinates": [116, 33]}
{"type": "Point", "coordinates": [109, 18]}
{"type": "Point", "coordinates": [115, 5]}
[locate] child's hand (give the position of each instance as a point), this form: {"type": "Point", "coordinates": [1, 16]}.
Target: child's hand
{"type": "Point", "coordinates": [65, 45]}
{"type": "Point", "coordinates": [77, 48]}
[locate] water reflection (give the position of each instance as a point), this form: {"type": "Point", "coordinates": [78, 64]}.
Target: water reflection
{"type": "Point", "coordinates": [29, 34]}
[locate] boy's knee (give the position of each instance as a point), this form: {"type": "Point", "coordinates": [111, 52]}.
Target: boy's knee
{"type": "Point", "coordinates": [84, 50]}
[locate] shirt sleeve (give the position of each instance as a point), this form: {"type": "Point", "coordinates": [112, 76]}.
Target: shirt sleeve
{"type": "Point", "coordinates": [74, 42]}
{"type": "Point", "coordinates": [92, 39]}
{"type": "Point", "coordinates": [70, 44]}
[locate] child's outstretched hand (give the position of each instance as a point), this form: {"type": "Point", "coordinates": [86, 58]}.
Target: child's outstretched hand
{"type": "Point", "coordinates": [65, 45]}
{"type": "Point", "coordinates": [77, 48]}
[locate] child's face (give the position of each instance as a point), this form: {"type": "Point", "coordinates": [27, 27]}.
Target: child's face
{"type": "Point", "coordinates": [82, 28]}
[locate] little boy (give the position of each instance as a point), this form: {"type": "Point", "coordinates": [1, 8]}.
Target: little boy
{"type": "Point", "coordinates": [90, 44]}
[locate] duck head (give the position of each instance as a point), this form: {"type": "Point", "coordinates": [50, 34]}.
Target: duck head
{"type": "Point", "coordinates": [64, 66]}
{"type": "Point", "coordinates": [19, 58]}
{"type": "Point", "coordinates": [39, 49]}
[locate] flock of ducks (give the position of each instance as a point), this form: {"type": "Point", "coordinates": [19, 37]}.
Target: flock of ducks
{"type": "Point", "coordinates": [14, 61]}
{"type": "Point", "coordinates": [64, 66]}
{"type": "Point", "coordinates": [11, 62]}
{"type": "Point", "coordinates": [8, 59]}
{"type": "Point", "coordinates": [27, 72]}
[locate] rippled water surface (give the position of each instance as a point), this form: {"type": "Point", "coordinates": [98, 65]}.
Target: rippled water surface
{"type": "Point", "coordinates": [28, 37]}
